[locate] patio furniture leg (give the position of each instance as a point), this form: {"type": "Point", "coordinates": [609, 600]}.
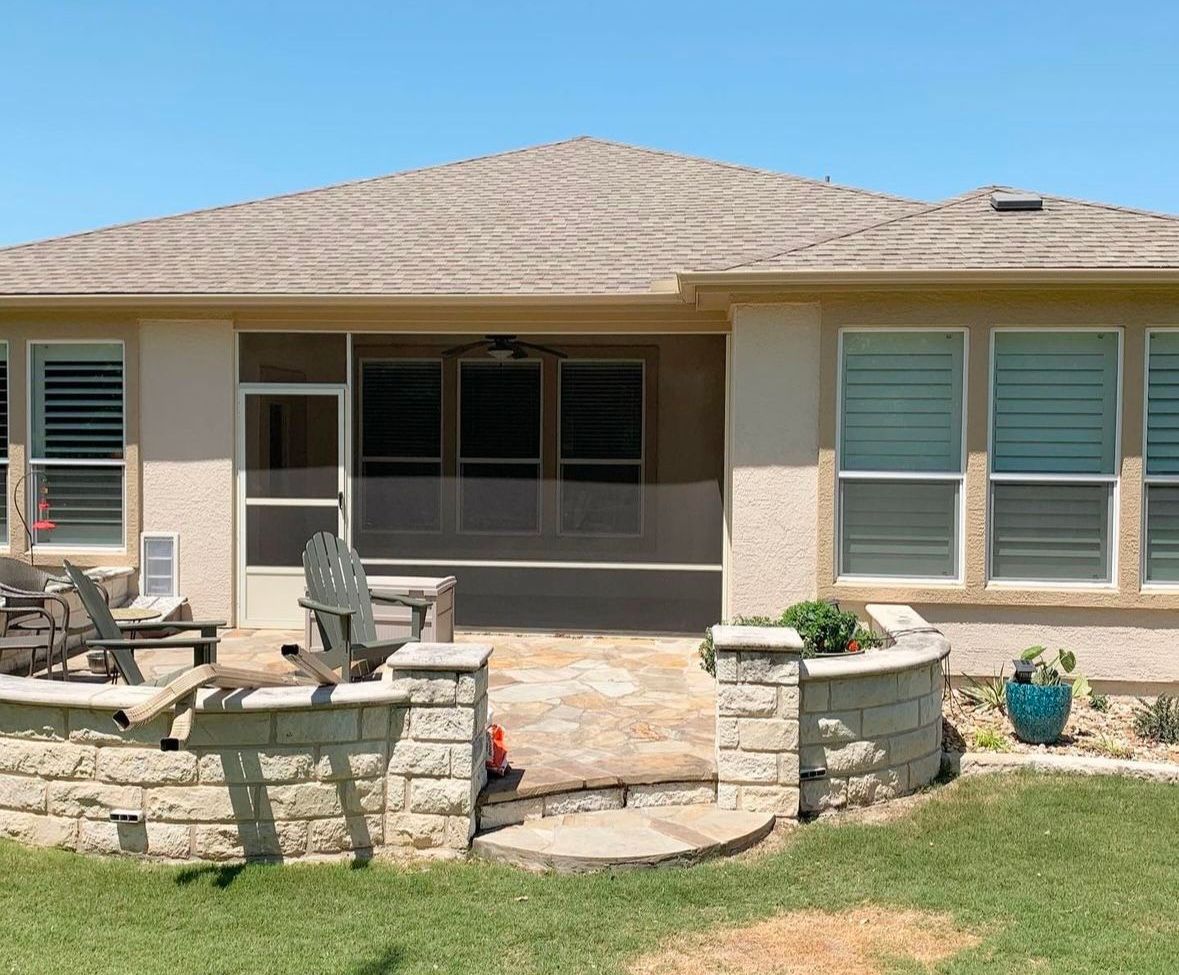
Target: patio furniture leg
{"type": "Point", "coordinates": [309, 664]}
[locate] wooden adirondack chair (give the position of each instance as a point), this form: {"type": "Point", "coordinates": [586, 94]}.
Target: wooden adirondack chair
{"type": "Point", "coordinates": [113, 639]}
{"type": "Point", "coordinates": [339, 595]}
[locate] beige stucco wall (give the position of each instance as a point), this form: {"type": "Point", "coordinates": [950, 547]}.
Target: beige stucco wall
{"type": "Point", "coordinates": [186, 398]}
{"type": "Point", "coordinates": [773, 451]}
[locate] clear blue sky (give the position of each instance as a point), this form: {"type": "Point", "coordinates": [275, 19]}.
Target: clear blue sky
{"type": "Point", "coordinates": [113, 111]}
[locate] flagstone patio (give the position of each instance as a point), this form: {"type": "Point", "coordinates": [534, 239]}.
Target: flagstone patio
{"type": "Point", "coordinates": [578, 712]}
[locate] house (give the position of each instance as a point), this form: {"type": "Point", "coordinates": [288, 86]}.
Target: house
{"type": "Point", "coordinates": [612, 388]}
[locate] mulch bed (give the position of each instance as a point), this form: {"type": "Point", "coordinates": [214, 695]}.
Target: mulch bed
{"type": "Point", "coordinates": [1089, 732]}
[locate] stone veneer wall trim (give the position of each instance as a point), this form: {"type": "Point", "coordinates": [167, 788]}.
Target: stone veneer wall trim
{"type": "Point", "coordinates": [866, 727]}
{"type": "Point", "coordinates": [277, 773]}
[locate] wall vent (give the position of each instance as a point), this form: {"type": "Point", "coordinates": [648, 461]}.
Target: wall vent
{"type": "Point", "coordinates": [1003, 200]}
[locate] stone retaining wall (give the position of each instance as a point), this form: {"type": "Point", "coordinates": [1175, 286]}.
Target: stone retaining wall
{"type": "Point", "coordinates": [799, 736]}
{"type": "Point", "coordinates": [280, 773]}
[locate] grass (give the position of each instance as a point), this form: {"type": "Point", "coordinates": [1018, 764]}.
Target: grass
{"type": "Point", "coordinates": [1058, 875]}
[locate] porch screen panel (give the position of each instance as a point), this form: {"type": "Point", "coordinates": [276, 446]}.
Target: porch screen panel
{"type": "Point", "coordinates": [601, 427]}
{"type": "Point", "coordinates": [900, 453]}
{"type": "Point", "coordinates": [401, 445]}
{"type": "Point", "coordinates": [1162, 458]}
{"type": "Point", "coordinates": [77, 426]}
{"type": "Point", "coordinates": [1053, 454]}
{"type": "Point", "coordinates": [499, 446]}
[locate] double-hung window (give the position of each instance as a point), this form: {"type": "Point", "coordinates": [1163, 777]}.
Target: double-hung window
{"type": "Point", "coordinates": [499, 446]}
{"type": "Point", "coordinates": [900, 456]}
{"type": "Point", "coordinates": [401, 445]}
{"type": "Point", "coordinates": [1053, 457]}
{"type": "Point", "coordinates": [76, 456]}
{"type": "Point", "coordinates": [1161, 471]}
{"type": "Point", "coordinates": [601, 450]}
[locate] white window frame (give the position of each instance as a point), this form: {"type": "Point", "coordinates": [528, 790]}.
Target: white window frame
{"type": "Point", "coordinates": [174, 538]}
{"type": "Point", "coordinates": [640, 463]}
{"type": "Point", "coordinates": [1151, 479]}
{"type": "Point", "coordinates": [5, 349]}
{"type": "Point", "coordinates": [1114, 479]}
{"type": "Point", "coordinates": [34, 462]}
{"type": "Point", "coordinates": [439, 460]}
{"type": "Point", "coordinates": [842, 477]}
{"type": "Point", "coordinates": [538, 460]}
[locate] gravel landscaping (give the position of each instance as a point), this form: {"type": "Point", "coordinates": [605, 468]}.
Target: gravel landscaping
{"type": "Point", "coordinates": [1108, 733]}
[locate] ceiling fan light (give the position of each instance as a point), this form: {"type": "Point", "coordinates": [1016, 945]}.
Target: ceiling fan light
{"type": "Point", "coordinates": [500, 352]}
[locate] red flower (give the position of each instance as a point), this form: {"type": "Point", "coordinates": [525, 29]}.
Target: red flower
{"type": "Point", "coordinates": [853, 646]}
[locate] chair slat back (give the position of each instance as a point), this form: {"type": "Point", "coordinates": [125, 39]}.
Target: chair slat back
{"type": "Point", "coordinates": [334, 575]}
{"type": "Point", "coordinates": [100, 616]}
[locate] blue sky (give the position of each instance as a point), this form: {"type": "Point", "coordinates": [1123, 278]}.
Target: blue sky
{"type": "Point", "coordinates": [115, 111]}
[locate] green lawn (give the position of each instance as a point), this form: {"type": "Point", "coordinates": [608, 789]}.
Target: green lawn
{"type": "Point", "coordinates": [1081, 875]}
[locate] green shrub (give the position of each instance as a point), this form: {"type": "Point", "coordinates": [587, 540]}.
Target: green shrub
{"type": "Point", "coordinates": [1099, 702]}
{"type": "Point", "coordinates": [990, 740]}
{"type": "Point", "coordinates": [824, 628]}
{"type": "Point", "coordinates": [1158, 721]}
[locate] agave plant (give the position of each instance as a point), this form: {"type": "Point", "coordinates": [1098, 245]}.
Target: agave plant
{"type": "Point", "coordinates": [987, 693]}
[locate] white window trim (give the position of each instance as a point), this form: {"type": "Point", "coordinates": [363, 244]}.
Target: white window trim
{"type": "Point", "coordinates": [1149, 479]}
{"type": "Point", "coordinates": [1114, 479]}
{"type": "Point", "coordinates": [402, 460]}
{"type": "Point", "coordinates": [33, 462]}
{"type": "Point", "coordinates": [841, 476]}
{"type": "Point", "coordinates": [460, 459]}
{"type": "Point", "coordinates": [174, 537]}
{"type": "Point", "coordinates": [7, 534]}
{"type": "Point", "coordinates": [640, 463]}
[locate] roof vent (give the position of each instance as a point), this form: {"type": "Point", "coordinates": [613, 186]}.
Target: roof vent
{"type": "Point", "coordinates": [1005, 200]}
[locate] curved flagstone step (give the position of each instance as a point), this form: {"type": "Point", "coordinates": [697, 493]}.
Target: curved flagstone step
{"type": "Point", "coordinates": [632, 837]}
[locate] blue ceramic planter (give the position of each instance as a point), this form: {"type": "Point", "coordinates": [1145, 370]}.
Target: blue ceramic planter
{"type": "Point", "coordinates": [1038, 712]}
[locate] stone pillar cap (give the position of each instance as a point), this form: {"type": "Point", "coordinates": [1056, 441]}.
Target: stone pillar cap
{"type": "Point", "coordinates": [766, 639]}
{"type": "Point", "coordinates": [440, 656]}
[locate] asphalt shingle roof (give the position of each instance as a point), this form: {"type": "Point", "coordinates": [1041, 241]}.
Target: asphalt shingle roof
{"type": "Point", "coordinates": [583, 216]}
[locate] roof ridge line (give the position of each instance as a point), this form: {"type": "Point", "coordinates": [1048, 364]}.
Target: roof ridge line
{"type": "Point", "coordinates": [1117, 207]}
{"type": "Point", "coordinates": [931, 208]}
{"type": "Point", "coordinates": [287, 195]}
{"type": "Point", "coordinates": [759, 170]}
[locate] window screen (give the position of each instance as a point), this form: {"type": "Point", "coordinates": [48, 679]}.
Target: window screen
{"type": "Point", "coordinates": [1161, 561]}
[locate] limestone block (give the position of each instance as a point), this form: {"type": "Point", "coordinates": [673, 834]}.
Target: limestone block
{"type": "Point", "coordinates": [671, 794]}
{"type": "Point", "coordinates": [885, 783]}
{"type": "Point", "coordinates": [915, 744]}
{"type": "Point", "coordinates": [816, 695]}
{"type": "Point", "coordinates": [250, 839]}
{"type": "Point", "coordinates": [442, 724]}
{"type": "Point", "coordinates": [227, 730]}
{"type": "Point", "coordinates": [22, 792]}
{"type": "Point", "coordinates": [145, 767]}
{"type": "Point", "coordinates": [374, 723]}
{"type": "Point", "coordinates": [735, 700]}
{"type": "Point", "coordinates": [165, 840]}
{"type": "Point", "coordinates": [726, 733]}
{"type": "Point", "coordinates": [914, 683]}
{"type": "Point", "coordinates": [99, 728]}
{"type": "Point", "coordinates": [420, 758]}
{"type": "Point", "coordinates": [496, 814]}
{"type": "Point", "coordinates": [922, 771]}
{"type": "Point", "coordinates": [863, 692]}
{"type": "Point", "coordinates": [767, 668]}
{"type": "Point", "coordinates": [250, 765]}
{"type": "Point", "coordinates": [447, 797]}
{"type": "Point", "coordinates": [855, 756]}
{"type": "Point", "coordinates": [424, 687]}
{"type": "Point", "coordinates": [414, 829]}
{"type": "Point", "coordinates": [201, 803]}
{"type": "Point", "coordinates": [887, 719]}
{"type": "Point", "coordinates": [352, 761]}
{"type": "Point", "coordinates": [820, 794]}
{"type": "Point", "coordinates": [395, 791]}
{"type": "Point", "coordinates": [931, 707]}
{"type": "Point", "coordinates": [780, 800]}
{"type": "Point", "coordinates": [726, 667]}
{"type": "Point", "coordinates": [49, 759]}
{"type": "Point", "coordinates": [33, 829]}
{"type": "Point", "coordinates": [734, 765]}
{"type": "Point", "coordinates": [91, 800]}
{"type": "Point", "coordinates": [458, 832]}
{"type": "Point", "coordinates": [830, 726]}
{"type": "Point", "coordinates": [788, 767]}
{"type": "Point", "coordinates": [319, 800]}
{"type": "Point", "coordinates": [727, 795]}
{"type": "Point", "coordinates": [788, 702]}
{"type": "Point", "coordinates": [588, 800]}
{"type": "Point", "coordinates": [768, 735]}
{"type": "Point", "coordinates": [471, 687]}
{"type": "Point", "coordinates": [347, 833]}
{"type": "Point", "coordinates": [465, 758]}
{"type": "Point", "coordinates": [316, 727]}
{"type": "Point", "coordinates": [21, 721]}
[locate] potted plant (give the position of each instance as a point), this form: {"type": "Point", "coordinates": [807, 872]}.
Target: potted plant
{"type": "Point", "coordinates": [1038, 699]}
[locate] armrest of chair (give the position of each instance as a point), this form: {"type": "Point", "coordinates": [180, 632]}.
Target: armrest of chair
{"type": "Point", "coordinates": [159, 643]}
{"type": "Point", "coordinates": [182, 626]}
{"type": "Point", "coordinates": [315, 607]}
{"type": "Point", "coordinates": [386, 596]}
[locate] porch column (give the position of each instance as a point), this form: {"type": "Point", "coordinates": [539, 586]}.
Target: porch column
{"type": "Point", "coordinates": [773, 454]}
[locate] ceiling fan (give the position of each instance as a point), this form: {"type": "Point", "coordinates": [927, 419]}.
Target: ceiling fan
{"type": "Point", "coordinates": [503, 347]}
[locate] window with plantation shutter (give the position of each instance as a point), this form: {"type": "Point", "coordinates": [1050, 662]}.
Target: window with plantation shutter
{"type": "Point", "coordinates": [601, 429]}
{"type": "Point", "coordinates": [499, 446]}
{"type": "Point", "coordinates": [4, 443]}
{"type": "Point", "coordinates": [1161, 473]}
{"type": "Point", "coordinates": [76, 444]}
{"type": "Point", "coordinates": [900, 453]}
{"type": "Point", "coordinates": [400, 486]}
{"type": "Point", "coordinates": [1053, 457]}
